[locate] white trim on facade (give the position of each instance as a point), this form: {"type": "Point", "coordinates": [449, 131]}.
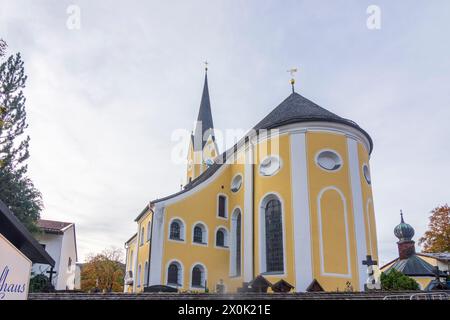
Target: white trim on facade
{"type": "Point", "coordinates": [182, 230]}
{"type": "Point", "coordinates": [204, 275]}
{"type": "Point", "coordinates": [226, 206]}
{"type": "Point", "coordinates": [358, 210]}
{"type": "Point", "coordinates": [347, 241]}
{"type": "Point", "coordinates": [205, 234]}
{"type": "Point", "coordinates": [157, 246]}
{"type": "Point", "coordinates": [301, 212]}
{"type": "Point", "coordinates": [226, 238]}
{"type": "Point", "coordinates": [247, 215]}
{"type": "Point", "coordinates": [233, 272]}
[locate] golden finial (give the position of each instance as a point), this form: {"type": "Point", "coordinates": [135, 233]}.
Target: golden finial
{"type": "Point", "coordinates": [292, 71]}
{"type": "Point", "coordinates": [206, 65]}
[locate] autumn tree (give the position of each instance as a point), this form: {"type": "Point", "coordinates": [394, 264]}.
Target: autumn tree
{"type": "Point", "coordinates": [103, 271]}
{"type": "Point", "coordinates": [437, 237]}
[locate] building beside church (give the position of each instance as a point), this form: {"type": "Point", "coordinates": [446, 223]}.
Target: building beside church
{"type": "Point", "coordinates": [59, 240]}
{"type": "Point", "coordinates": [422, 267]}
{"type": "Point", "coordinates": [292, 200]}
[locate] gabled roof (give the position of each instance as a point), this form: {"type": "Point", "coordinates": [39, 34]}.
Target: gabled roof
{"type": "Point", "coordinates": [413, 266]}
{"type": "Point", "coordinates": [51, 226]}
{"type": "Point", "coordinates": [16, 233]}
{"type": "Point", "coordinates": [204, 119]}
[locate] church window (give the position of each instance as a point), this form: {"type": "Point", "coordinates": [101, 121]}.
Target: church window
{"type": "Point", "coordinates": [271, 232]}
{"type": "Point", "coordinates": [270, 166]}
{"type": "Point", "coordinates": [236, 183]}
{"type": "Point", "coordinates": [235, 250]}
{"type": "Point", "coordinates": [146, 274]}
{"type": "Point", "coordinates": [221, 237]}
{"type": "Point", "coordinates": [198, 276]}
{"type": "Point", "coordinates": [139, 276]}
{"type": "Point", "coordinates": [174, 273]}
{"type": "Point", "coordinates": [141, 238]}
{"type": "Point", "coordinates": [69, 263]}
{"type": "Point", "coordinates": [199, 234]}
{"type": "Point", "coordinates": [176, 231]}
{"type": "Point", "coordinates": [329, 160]}
{"type": "Point", "coordinates": [222, 206]}
{"type": "Point", "coordinates": [366, 173]}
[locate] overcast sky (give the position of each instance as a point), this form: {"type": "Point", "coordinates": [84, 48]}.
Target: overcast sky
{"type": "Point", "coordinates": [104, 100]}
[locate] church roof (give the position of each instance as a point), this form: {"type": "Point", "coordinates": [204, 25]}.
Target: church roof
{"type": "Point", "coordinates": [295, 108]}
{"type": "Point", "coordinates": [204, 119]}
{"type": "Point", "coordinates": [413, 266]}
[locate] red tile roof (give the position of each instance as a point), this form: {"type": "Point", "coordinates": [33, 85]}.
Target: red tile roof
{"type": "Point", "coordinates": [52, 226]}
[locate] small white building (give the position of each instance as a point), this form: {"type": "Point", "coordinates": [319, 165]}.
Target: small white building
{"type": "Point", "coordinates": [59, 240]}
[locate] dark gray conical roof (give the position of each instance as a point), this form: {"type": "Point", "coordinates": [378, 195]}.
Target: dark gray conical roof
{"type": "Point", "coordinates": [204, 119]}
{"type": "Point", "coordinates": [296, 108]}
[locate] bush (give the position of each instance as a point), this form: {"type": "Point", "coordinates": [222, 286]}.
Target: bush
{"type": "Point", "coordinates": [394, 280]}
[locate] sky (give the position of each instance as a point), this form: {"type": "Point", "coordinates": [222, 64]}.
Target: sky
{"type": "Point", "coordinates": [105, 95]}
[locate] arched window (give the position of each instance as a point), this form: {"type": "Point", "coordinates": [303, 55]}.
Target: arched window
{"type": "Point", "coordinates": [141, 240]}
{"type": "Point", "coordinates": [139, 276]}
{"type": "Point", "coordinates": [174, 274]}
{"type": "Point", "coordinates": [236, 243]}
{"type": "Point", "coordinates": [146, 274]}
{"type": "Point", "coordinates": [198, 276]}
{"type": "Point", "coordinates": [69, 263]}
{"type": "Point", "coordinates": [222, 206]}
{"type": "Point", "coordinates": [273, 232]}
{"type": "Point", "coordinates": [149, 230]}
{"type": "Point", "coordinates": [199, 234]}
{"type": "Point", "coordinates": [221, 238]}
{"type": "Point", "coordinates": [176, 231]}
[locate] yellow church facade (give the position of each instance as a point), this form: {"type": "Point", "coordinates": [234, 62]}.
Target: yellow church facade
{"type": "Point", "coordinates": [291, 200]}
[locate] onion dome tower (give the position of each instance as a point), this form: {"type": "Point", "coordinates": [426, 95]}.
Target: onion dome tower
{"type": "Point", "coordinates": [404, 232]}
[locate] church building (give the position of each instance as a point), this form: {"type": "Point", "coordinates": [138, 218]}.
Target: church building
{"type": "Point", "coordinates": [291, 202]}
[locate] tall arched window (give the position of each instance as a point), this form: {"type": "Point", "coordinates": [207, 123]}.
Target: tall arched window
{"type": "Point", "coordinates": [141, 240]}
{"type": "Point", "coordinates": [274, 237]}
{"type": "Point", "coordinates": [235, 250]}
{"type": "Point", "coordinates": [174, 274]}
{"type": "Point", "coordinates": [139, 276]}
{"type": "Point", "coordinates": [198, 276]}
{"type": "Point", "coordinates": [176, 230]}
{"type": "Point", "coordinates": [146, 274]}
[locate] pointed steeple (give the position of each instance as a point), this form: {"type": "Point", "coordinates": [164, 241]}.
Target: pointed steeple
{"type": "Point", "coordinates": [204, 120]}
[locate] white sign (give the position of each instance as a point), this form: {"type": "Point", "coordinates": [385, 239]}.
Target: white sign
{"type": "Point", "coordinates": [15, 269]}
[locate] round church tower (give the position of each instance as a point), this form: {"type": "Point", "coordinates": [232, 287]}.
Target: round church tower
{"type": "Point", "coordinates": [313, 197]}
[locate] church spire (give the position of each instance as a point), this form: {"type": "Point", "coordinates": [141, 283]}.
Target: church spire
{"type": "Point", "coordinates": [204, 120]}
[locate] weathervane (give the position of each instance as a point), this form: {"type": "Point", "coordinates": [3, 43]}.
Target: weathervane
{"type": "Point", "coordinates": [292, 71]}
{"type": "Point", "coordinates": [206, 65]}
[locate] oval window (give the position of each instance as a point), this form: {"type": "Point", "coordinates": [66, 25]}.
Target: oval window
{"type": "Point", "coordinates": [366, 173]}
{"type": "Point", "coordinates": [269, 166]}
{"type": "Point", "coordinates": [236, 183]}
{"type": "Point", "coordinates": [329, 160]}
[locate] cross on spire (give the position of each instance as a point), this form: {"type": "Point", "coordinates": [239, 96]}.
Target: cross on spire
{"type": "Point", "coordinates": [401, 216]}
{"type": "Point", "coordinates": [206, 65]}
{"type": "Point", "coordinates": [292, 71]}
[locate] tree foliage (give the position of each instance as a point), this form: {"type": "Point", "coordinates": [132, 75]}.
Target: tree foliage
{"type": "Point", "coordinates": [103, 271]}
{"type": "Point", "coordinates": [16, 189]}
{"type": "Point", "coordinates": [437, 237]}
{"type": "Point", "coordinates": [394, 280]}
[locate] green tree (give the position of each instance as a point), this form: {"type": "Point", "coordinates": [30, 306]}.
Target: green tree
{"type": "Point", "coordinates": [103, 271]}
{"type": "Point", "coordinates": [16, 189]}
{"type": "Point", "coordinates": [394, 280]}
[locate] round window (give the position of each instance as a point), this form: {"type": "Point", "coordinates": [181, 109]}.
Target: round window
{"type": "Point", "coordinates": [366, 173]}
{"type": "Point", "coordinates": [236, 183]}
{"type": "Point", "coordinates": [329, 160]}
{"type": "Point", "coordinates": [269, 166]}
